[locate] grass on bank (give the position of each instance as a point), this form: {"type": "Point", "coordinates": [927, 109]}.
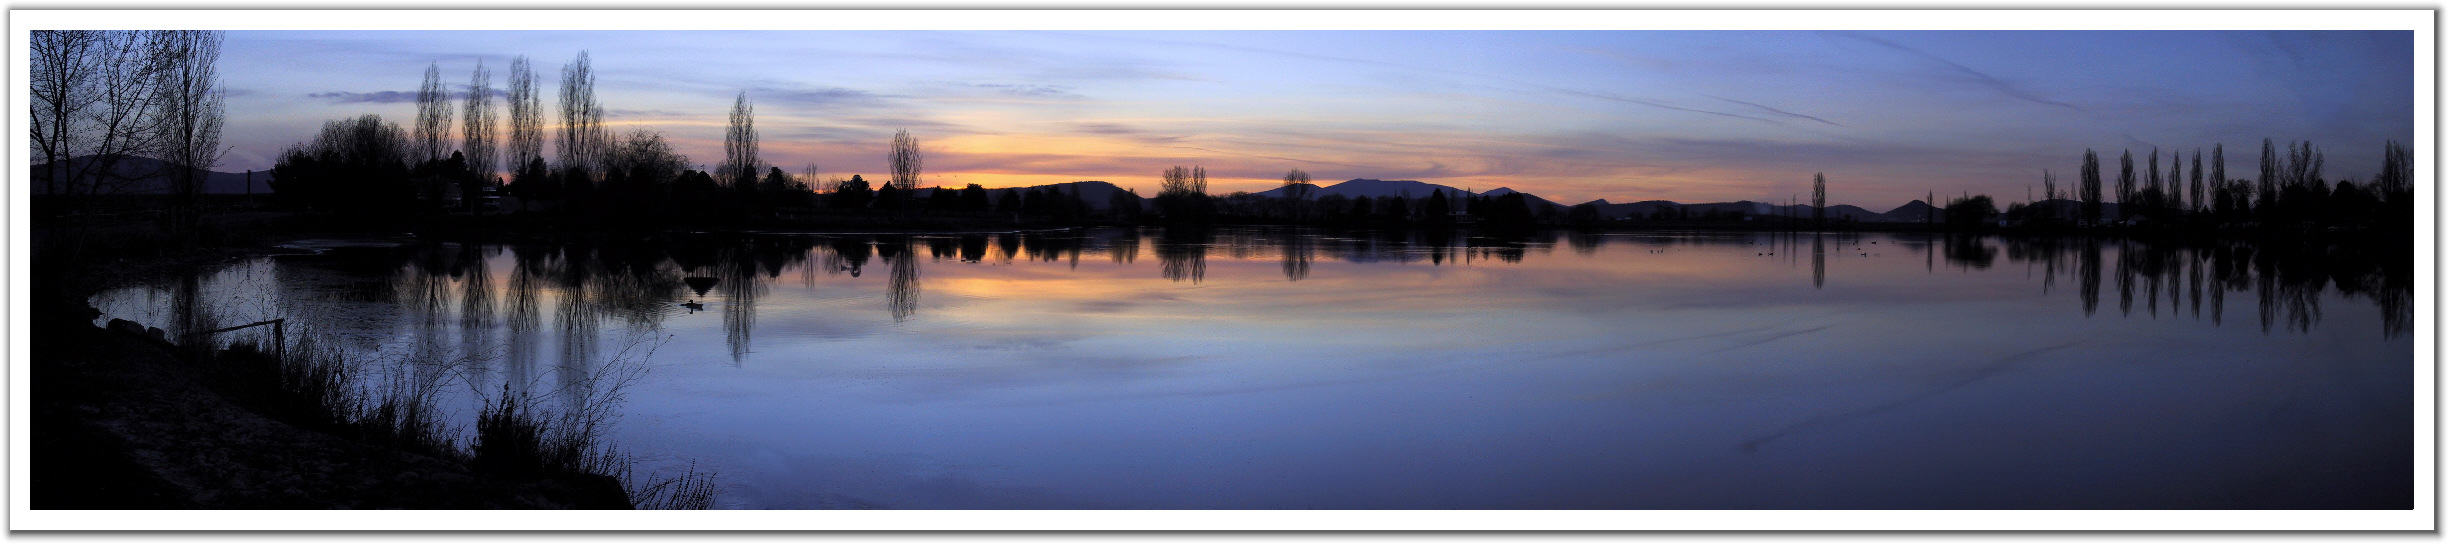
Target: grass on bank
{"type": "Point", "coordinates": [319, 388]}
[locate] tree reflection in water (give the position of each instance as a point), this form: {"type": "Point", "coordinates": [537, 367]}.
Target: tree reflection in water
{"type": "Point", "coordinates": [447, 297]}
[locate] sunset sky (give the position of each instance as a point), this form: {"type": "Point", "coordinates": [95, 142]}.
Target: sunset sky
{"type": "Point", "coordinates": [1693, 116]}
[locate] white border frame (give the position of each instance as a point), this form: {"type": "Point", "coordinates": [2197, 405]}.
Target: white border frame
{"type": "Point", "coordinates": [2421, 517]}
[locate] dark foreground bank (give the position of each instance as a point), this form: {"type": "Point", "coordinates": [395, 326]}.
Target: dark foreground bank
{"type": "Point", "coordinates": [121, 420]}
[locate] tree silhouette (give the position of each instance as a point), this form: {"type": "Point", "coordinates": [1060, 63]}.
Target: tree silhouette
{"type": "Point", "coordinates": [353, 167]}
{"type": "Point", "coordinates": [191, 116]}
{"type": "Point", "coordinates": [2198, 204]}
{"type": "Point", "coordinates": [1819, 199]}
{"type": "Point", "coordinates": [970, 199]}
{"type": "Point", "coordinates": [1930, 216]}
{"type": "Point", "coordinates": [2175, 188]}
{"type": "Point", "coordinates": [851, 194]}
{"type": "Point", "coordinates": [97, 95]}
{"type": "Point", "coordinates": [583, 138]}
{"type": "Point", "coordinates": [62, 65]}
{"type": "Point", "coordinates": [433, 120]}
{"type": "Point", "coordinates": [1970, 212]}
{"type": "Point", "coordinates": [1182, 197]}
{"type": "Point", "coordinates": [2125, 186]}
{"type": "Point", "coordinates": [526, 142]}
{"type": "Point", "coordinates": [887, 197]}
{"type": "Point", "coordinates": [906, 161]}
{"type": "Point", "coordinates": [740, 145]}
{"type": "Point", "coordinates": [478, 141]}
{"type": "Point", "coordinates": [2268, 182]}
{"type": "Point", "coordinates": [2090, 187]}
{"type": "Point", "coordinates": [1296, 190]}
{"type": "Point", "coordinates": [2151, 189]}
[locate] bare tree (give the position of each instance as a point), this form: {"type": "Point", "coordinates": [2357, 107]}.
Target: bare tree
{"type": "Point", "coordinates": [60, 72]}
{"type": "Point", "coordinates": [526, 115]}
{"type": "Point", "coordinates": [2174, 192]}
{"type": "Point", "coordinates": [2090, 187]}
{"type": "Point", "coordinates": [2048, 183]}
{"type": "Point", "coordinates": [645, 157]}
{"type": "Point", "coordinates": [2151, 186]}
{"type": "Point", "coordinates": [739, 168]}
{"type": "Point", "coordinates": [190, 116]}
{"type": "Point", "coordinates": [433, 120]}
{"type": "Point", "coordinates": [94, 98]}
{"type": "Point", "coordinates": [2269, 175]}
{"type": "Point", "coordinates": [906, 161]}
{"type": "Point", "coordinates": [583, 139]}
{"type": "Point", "coordinates": [476, 120]}
{"type": "Point", "coordinates": [2198, 203]}
{"type": "Point", "coordinates": [2218, 166]}
{"type": "Point", "coordinates": [2396, 171]}
{"type": "Point", "coordinates": [1296, 187]}
{"type": "Point", "coordinates": [2125, 184]}
{"type": "Point", "coordinates": [1176, 182]}
{"type": "Point", "coordinates": [1819, 198]}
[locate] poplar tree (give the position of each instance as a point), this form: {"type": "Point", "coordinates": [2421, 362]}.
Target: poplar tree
{"type": "Point", "coordinates": [2090, 187]}
{"type": "Point", "coordinates": [433, 120]}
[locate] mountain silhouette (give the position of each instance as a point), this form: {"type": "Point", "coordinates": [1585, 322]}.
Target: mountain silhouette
{"type": "Point", "coordinates": [1371, 188]}
{"type": "Point", "coordinates": [147, 176]}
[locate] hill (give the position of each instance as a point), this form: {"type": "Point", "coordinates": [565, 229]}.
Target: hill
{"type": "Point", "coordinates": [1914, 212]}
{"type": "Point", "coordinates": [1535, 201]}
{"type": "Point", "coordinates": [1371, 188]}
{"type": "Point", "coordinates": [1097, 193]}
{"type": "Point", "coordinates": [148, 176]}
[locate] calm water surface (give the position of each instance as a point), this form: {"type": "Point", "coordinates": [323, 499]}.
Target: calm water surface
{"type": "Point", "coordinates": [1298, 369]}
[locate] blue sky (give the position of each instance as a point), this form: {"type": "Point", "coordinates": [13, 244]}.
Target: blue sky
{"type": "Point", "coordinates": [1691, 116]}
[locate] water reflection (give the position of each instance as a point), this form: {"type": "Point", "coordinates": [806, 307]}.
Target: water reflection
{"type": "Point", "coordinates": [448, 303]}
{"type": "Point", "coordinates": [901, 295]}
{"type": "Point", "coordinates": [1183, 255]}
{"type": "Point", "coordinates": [1818, 261]}
{"type": "Point", "coordinates": [1028, 350]}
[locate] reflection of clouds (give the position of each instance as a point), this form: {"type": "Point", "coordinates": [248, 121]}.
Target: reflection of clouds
{"type": "Point", "coordinates": [1697, 347]}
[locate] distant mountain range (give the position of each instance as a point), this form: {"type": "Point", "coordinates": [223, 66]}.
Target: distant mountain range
{"type": "Point", "coordinates": [148, 176]}
{"type": "Point", "coordinates": [1914, 211]}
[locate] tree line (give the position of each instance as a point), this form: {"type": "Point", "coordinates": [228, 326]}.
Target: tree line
{"type": "Point", "coordinates": [372, 167]}
{"type": "Point", "coordinates": [2290, 193]}
{"type": "Point", "coordinates": [367, 166]}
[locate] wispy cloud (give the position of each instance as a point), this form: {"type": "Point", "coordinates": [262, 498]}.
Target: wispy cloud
{"type": "Point", "coordinates": [818, 97]}
{"type": "Point", "coordinates": [1778, 111]}
{"type": "Point", "coordinates": [1125, 131]}
{"type": "Point", "coordinates": [377, 97]}
{"type": "Point", "coordinates": [1975, 76]}
{"type": "Point", "coordinates": [1655, 104]}
{"type": "Point", "coordinates": [1473, 76]}
{"type": "Point", "coordinates": [1034, 91]}
{"type": "Point", "coordinates": [617, 112]}
{"type": "Point", "coordinates": [391, 97]}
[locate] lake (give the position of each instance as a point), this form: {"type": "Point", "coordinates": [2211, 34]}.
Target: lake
{"type": "Point", "coordinates": [1302, 369]}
